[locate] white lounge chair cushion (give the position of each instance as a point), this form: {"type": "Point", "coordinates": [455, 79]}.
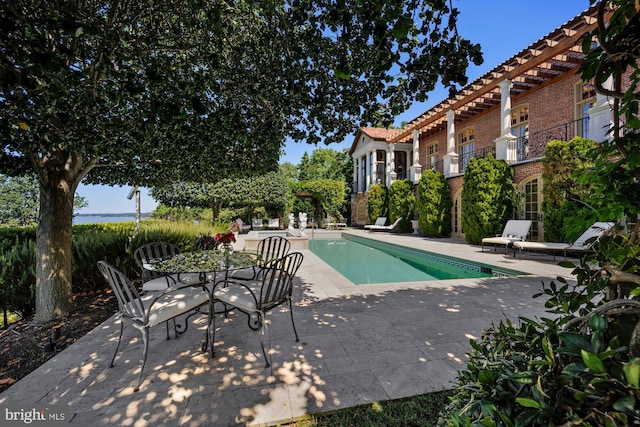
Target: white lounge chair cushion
{"type": "Point", "coordinates": [541, 245]}
{"type": "Point", "coordinates": [240, 296]}
{"type": "Point", "coordinates": [380, 222]}
{"type": "Point", "coordinates": [173, 304]}
{"type": "Point", "coordinates": [515, 230]}
{"type": "Point", "coordinates": [384, 227]}
{"type": "Point", "coordinates": [501, 240]}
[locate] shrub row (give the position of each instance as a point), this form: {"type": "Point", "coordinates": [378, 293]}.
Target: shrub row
{"type": "Point", "coordinates": [112, 242]}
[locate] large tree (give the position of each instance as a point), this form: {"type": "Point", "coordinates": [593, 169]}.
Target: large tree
{"type": "Point", "coordinates": [269, 190]}
{"type": "Point", "coordinates": [140, 92]}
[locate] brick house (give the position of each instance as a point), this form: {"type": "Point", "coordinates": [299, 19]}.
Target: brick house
{"type": "Point", "coordinates": [512, 111]}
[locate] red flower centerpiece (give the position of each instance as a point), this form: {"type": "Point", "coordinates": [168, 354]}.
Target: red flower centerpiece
{"type": "Point", "coordinates": [225, 238]}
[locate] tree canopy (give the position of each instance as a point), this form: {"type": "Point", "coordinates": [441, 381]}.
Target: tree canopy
{"type": "Point", "coordinates": [133, 84]}
{"type": "Point", "coordinates": [269, 190]}
{"type": "Point", "coordinates": [145, 93]}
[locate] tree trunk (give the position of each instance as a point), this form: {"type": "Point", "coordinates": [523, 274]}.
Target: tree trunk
{"type": "Point", "coordinates": [54, 297]}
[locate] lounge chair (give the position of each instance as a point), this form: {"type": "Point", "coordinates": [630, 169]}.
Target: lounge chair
{"type": "Point", "coordinates": [243, 227]}
{"type": "Point", "coordinates": [256, 223]}
{"type": "Point", "coordinates": [515, 230]}
{"type": "Point", "coordinates": [274, 223]}
{"type": "Point", "coordinates": [329, 224]}
{"type": "Point", "coordinates": [380, 221]}
{"type": "Point", "coordinates": [584, 243]}
{"type": "Point", "coordinates": [385, 227]}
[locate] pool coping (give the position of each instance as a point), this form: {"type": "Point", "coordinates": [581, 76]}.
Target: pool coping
{"type": "Point", "coordinates": [535, 266]}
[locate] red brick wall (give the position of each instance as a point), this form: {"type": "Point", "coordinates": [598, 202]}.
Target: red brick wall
{"type": "Point", "coordinates": [524, 171]}
{"type": "Point", "coordinates": [550, 106]}
{"type": "Point", "coordinates": [486, 127]}
{"type": "Point", "coordinates": [454, 185]}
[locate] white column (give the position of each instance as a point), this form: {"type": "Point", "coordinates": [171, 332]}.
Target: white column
{"type": "Point", "coordinates": [505, 144]}
{"type": "Point", "coordinates": [451, 132]}
{"type": "Point", "coordinates": [505, 107]}
{"type": "Point", "coordinates": [601, 115]}
{"type": "Point", "coordinates": [391, 165]}
{"type": "Point", "coordinates": [416, 168]}
{"type": "Point", "coordinates": [451, 159]}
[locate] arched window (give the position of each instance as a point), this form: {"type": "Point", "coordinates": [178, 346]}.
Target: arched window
{"type": "Point", "coordinates": [456, 215]}
{"type": "Point", "coordinates": [531, 191]}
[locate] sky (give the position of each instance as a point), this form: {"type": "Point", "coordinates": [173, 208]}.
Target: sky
{"type": "Point", "coordinates": [502, 27]}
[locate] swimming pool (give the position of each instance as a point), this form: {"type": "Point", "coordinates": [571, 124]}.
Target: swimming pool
{"type": "Point", "coordinates": [369, 261]}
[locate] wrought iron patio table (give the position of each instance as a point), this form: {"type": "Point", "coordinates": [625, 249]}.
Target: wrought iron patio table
{"type": "Point", "coordinates": [199, 269]}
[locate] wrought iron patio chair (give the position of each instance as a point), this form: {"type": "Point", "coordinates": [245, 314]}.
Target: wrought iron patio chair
{"type": "Point", "coordinates": [152, 280]}
{"type": "Point", "coordinates": [256, 298]}
{"type": "Point", "coordinates": [243, 227]}
{"type": "Point", "coordinates": [269, 249]}
{"type": "Point", "coordinates": [152, 309]}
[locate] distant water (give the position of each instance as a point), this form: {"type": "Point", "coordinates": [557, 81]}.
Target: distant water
{"type": "Point", "coordinates": [93, 219]}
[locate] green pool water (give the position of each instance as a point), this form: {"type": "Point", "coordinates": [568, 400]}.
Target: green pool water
{"type": "Point", "coordinates": [367, 261]}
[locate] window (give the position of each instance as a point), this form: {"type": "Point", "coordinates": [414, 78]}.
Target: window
{"type": "Point", "coordinates": [363, 173]}
{"type": "Point", "coordinates": [401, 164]}
{"type": "Point", "coordinates": [466, 139]}
{"type": "Point", "coordinates": [585, 100]}
{"type": "Point", "coordinates": [456, 215]}
{"type": "Point", "coordinates": [520, 129]}
{"type": "Point", "coordinates": [432, 156]}
{"type": "Point", "coordinates": [381, 166]}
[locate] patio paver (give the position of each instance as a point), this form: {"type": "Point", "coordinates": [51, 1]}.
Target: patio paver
{"type": "Point", "coordinates": [358, 344]}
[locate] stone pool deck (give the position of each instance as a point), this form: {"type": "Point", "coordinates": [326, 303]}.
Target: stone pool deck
{"type": "Point", "coordinates": [358, 344]}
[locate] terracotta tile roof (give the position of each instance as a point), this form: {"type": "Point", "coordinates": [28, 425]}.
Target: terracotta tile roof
{"type": "Point", "coordinates": [378, 133]}
{"type": "Point", "coordinates": [548, 58]}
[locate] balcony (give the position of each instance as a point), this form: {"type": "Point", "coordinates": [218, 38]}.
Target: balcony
{"type": "Point", "coordinates": [534, 146]}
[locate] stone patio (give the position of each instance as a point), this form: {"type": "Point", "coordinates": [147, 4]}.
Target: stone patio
{"type": "Point", "coordinates": [358, 344]}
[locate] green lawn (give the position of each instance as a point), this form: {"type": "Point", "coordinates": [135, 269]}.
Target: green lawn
{"type": "Point", "coordinates": [423, 410]}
